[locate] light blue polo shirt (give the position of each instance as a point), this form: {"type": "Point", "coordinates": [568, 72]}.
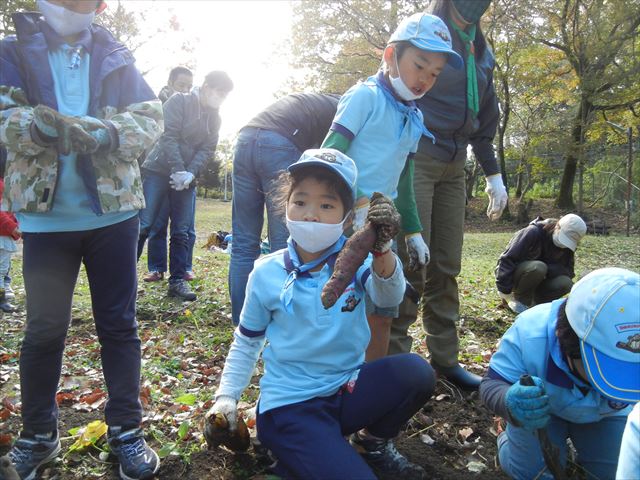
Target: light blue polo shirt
{"type": "Point", "coordinates": [383, 132]}
{"type": "Point", "coordinates": [310, 352]}
{"type": "Point", "coordinates": [531, 346]}
{"type": "Point", "coordinates": [71, 210]}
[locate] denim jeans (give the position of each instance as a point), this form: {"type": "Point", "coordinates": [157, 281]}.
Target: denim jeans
{"type": "Point", "coordinates": [157, 247]}
{"type": "Point", "coordinates": [259, 158]}
{"type": "Point", "coordinates": [156, 190]}
{"type": "Point", "coordinates": [597, 444]}
{"type": "Point", "coordinates": [50, 269]}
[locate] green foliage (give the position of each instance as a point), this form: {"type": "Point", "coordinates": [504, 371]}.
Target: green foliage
{"type": "Point", "coordinates": [7, 8]}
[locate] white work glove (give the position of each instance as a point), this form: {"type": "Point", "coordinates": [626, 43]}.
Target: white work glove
{"type": "Point", "coordinates": [180, 180]}
{"type": "Point", "coordinates": [513, 304]}
{"type": "Point", "coordinates": [360, 216]}
{"type": "Point", "coordinates": [497, 196]}
{"type": "Point", "coordinates": [418, 251]}
{"type": "Point", "coordinates": [228, 407]}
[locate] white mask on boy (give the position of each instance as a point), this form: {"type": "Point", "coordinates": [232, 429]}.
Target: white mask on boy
{"type": "Point", "coordinates": [400, 87]}
{"type": "Point", "coordinates": [313, 237]}
{"type": "Point", "coordinates": [65, 22]}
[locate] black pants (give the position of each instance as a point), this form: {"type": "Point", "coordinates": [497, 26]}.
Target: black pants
{"type": "Point", "coordinates": [50, 269]}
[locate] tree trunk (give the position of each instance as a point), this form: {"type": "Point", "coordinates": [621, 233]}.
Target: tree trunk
{"type": "Point", "coordinates": [573, 156]}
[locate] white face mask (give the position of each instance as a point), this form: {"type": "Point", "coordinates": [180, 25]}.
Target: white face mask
{"type": "Point", "coordinates": [400, 87]}
{"type": "Point", "coordinates": [214, 100]}
{"type": "Point", "coordinates": [556, 239]}
{"type": "Point", "coordinates": [64, 21]}
{"type": "Point", "coordinates": [313, 237]}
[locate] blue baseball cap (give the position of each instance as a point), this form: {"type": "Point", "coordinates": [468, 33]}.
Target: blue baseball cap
{"type": "Point", "coordinates": [331, 159]}
{"type": "Point", "coordinates": [604, 310]}
{"type": "Point", "coordinates": [429, 33]}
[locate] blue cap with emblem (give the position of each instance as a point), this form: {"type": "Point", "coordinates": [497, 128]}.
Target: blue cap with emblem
{"type": "Point", "coordinates": [330, 159]}
{"type": "Point", "coordinates": [604, 310]}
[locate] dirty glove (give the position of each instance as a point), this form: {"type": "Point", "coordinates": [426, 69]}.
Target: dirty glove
{"type": "Point", "coordinates": [418, 251]}
{"type": "Point", "coordinates": [360, 216]}
{"type": "Point", "coordinates": [11, 97]}
{"type": "Point", "coordinates": [384, 216]}
{"type": "Point", "coordinates": [228, 407]}
{"type": "Point", "coordinates": [528, 405]}
{"type": "Point", "coordinates": [497, 196]}
{"type": "Point", "coordinates": [44, 120]}
{"type": "Point", "coordinates": [513, 304]}
{"type": "Point", "coordinates": [188, 177]}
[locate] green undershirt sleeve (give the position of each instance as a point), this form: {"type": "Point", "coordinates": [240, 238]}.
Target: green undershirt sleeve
{"type": "Point", "coordinates": [341, 143]}
{"type": "Point", "coordinates": [406, 200]}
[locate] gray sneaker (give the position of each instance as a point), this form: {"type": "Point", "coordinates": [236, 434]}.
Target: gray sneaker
{"type": "Point", "coordinates": [137, 460]}
{"type": "Point", "coordinates": [30, 453]}
{"type": "Point", "coordinates": [8, 292]}
{"type": "Point", "coordinates": [181, 289]}
{"type": "Point", "coordinates": [381, 455]}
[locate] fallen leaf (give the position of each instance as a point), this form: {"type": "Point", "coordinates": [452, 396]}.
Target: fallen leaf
{"type": "Point", "coordinates": [443, 396]}
{"type": "Point", "coordinates": [89, 435]}
{"type": "Point", "coordinates": [476, 467]}
{"type": "Point", "coordinates": [465, 433]}
{"type": "Point", "coordinates": [426, 439]}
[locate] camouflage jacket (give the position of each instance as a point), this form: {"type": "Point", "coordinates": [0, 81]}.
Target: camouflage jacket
{"type": "Point", "coordinates": [119, 96]}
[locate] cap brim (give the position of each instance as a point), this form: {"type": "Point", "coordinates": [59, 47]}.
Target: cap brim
{"type": "Point", "coordinates": [617, 380]}
{"type": "Point", "coordinates": [453, 58]}
{"type": "Point", "coordinates": [294, 167]}
{"type": "Point", "coordinates": [566, 241]}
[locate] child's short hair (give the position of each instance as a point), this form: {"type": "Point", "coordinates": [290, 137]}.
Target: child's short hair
{"type": "Point", "coordinates": [567, 337]}
{"type": "Point", "coordinates": [219, 80]}
{"type": "Point", "coordinates": [400, 47]}
{"type": "Point", "coordinates": [175, 71]}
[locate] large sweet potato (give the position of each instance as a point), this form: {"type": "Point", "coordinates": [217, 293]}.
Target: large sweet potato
{"type": "Point", "coordinates": [349, 260]}
{"type": "Point", "coordinates": [216, 432]}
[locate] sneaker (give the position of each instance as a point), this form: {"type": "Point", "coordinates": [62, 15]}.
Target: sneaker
{"type": "Point", "coordinates": [30, 453]}
{"type": "Point", "coordinates": [181, 289]}
{"type": "Point", "coordinates": [153, 277]}
{"type": "Point", "coordinates": [189, 275]}
{"type": "Point", "coordinates": [137, 460]}
{"type": "Point", "coordinates": [8, 292]}
{"type": "Point", "coordinates": [381, 455]}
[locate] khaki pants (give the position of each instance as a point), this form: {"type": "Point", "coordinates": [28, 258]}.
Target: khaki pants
{"type": "Point", "coordinates": [531, 285]}
{"type": "Point", "coordinates": [441, 199]}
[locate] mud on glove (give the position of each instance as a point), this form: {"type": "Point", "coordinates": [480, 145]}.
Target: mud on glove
{"type": "Point", "coordinates": [228, 407]}
{"type": "Point", "coordinates": [384, 216]}
{"type": "Point", "coordinates": [418, 251]}
{"type": "Point", "coordinates": [528, 405]}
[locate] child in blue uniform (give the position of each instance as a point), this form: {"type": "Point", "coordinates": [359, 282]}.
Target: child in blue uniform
{"type": "Point", "coordinates": [584, 356]}
{"type": "Point", "coordinates": [316, 387]}
{"type": "Point", "coordinates": [379, 125]}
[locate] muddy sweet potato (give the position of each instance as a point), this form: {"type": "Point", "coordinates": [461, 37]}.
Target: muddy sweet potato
{"type": "Point", "coordinates": [216, 433]}
{"type": "Point", "coordinates": [349, 260]}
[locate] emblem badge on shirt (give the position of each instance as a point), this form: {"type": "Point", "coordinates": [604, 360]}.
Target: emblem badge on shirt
{"type": "Point", "coordinates": [617, 405]}
{"type": "Point", "coordinates": [632, 344]}
{"type": "Point", "coordinates": [350, 304]}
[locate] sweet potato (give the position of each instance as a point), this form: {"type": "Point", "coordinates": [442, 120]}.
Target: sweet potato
{"type": "Point", "coordinates": [216, 432]}
{"type": "Point", "coordinates": [349, 260]}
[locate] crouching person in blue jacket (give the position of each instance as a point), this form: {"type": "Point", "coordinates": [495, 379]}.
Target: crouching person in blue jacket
{"type": "Point", "coordinates": [75, 114]}
{"type": "Point", "coordinates": [583, 355]}
{"type": "Point", "coordinates": [316, 388]}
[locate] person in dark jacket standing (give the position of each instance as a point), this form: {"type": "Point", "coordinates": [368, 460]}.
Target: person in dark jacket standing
{"type": "Point", "coordinates": [266, 146]}
{"type": "Point", "coordinates": [537, 265]}
{"type": "Point", "coordinates": [191, 125]}
{"type": "Point", "coordinates": [460, 110]}
{"type": "Point", "coordinates": [75, 115]}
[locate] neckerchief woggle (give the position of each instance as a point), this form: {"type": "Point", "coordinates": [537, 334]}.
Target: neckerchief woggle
{"type": "Point", "coordinates": [286, 294]}
{"type": "Point", "coordinates": [472, 76]}
{"type": "Point", "coordinates": [410, 107]}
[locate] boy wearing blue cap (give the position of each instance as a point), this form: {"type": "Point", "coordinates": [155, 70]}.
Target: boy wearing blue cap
{"type": "Point", "coordinates": [316, 388]}
{"type": "Point", "coordinates": [583, 355]}
{"type": "Point", "coordinates": [379, 126]}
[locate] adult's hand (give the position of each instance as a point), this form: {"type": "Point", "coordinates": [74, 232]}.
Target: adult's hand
{"type": "Point", "coordinates": [418, 251]}
{"type": "Point", "coordinates": [497, 196]}
{"type": "Point", "coordinates": [177, 180]}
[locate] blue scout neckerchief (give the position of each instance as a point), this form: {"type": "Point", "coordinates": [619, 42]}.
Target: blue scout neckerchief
{"type": "Point", "coordinates": [410, 108]}
{"type": "Point", "coordinates": [296, 269]}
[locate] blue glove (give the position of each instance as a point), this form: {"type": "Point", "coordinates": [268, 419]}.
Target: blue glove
{"type": "Point", "coordinates": [528, 405]}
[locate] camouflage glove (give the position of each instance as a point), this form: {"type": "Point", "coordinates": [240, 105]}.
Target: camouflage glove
{"type": "Point", "coordinates": [384, 216]}
{"type": "Point", "coordinates": [83, 135]}
{"type": "Point", "coordinates": [11, 97]}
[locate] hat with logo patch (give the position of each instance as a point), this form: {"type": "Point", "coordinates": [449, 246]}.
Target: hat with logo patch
{"type": "Point", "coordinates": [331, 159]}
{"type": "Point", "coordinates": [603, 309]}
{"type": "Point", "coordinates": [429, 33]}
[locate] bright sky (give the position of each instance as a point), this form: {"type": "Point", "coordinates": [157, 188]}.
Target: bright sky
{"type": "Point", "coordinates": [247, 39]}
